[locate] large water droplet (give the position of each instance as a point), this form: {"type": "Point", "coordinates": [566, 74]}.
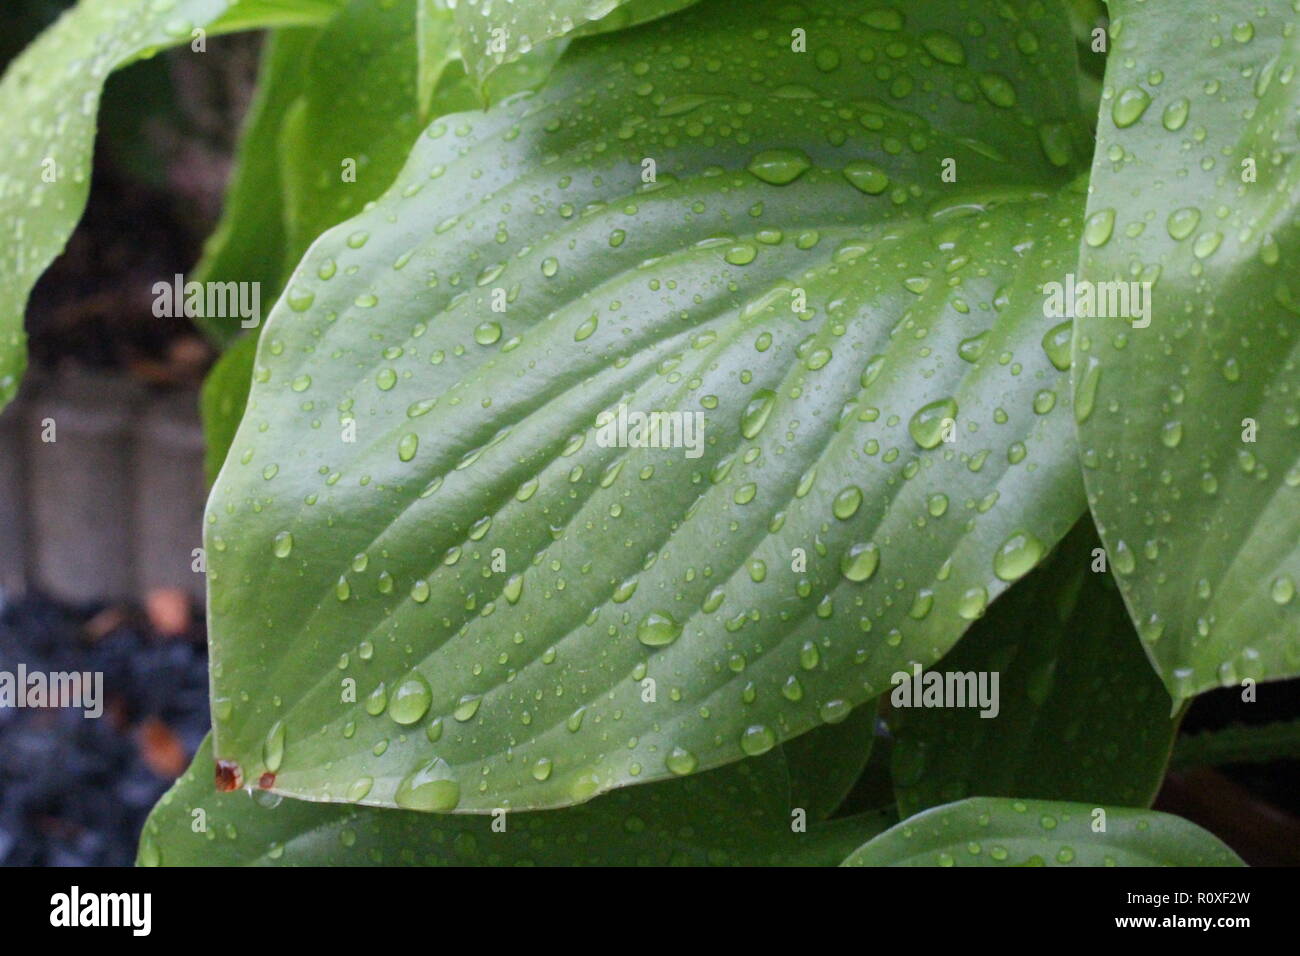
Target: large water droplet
{"type": "Point", "coordinates": [779, 166]}
{"type": "Point", "coordinates": [757, 739]}
{"type": "Point", "coordinates": [411, 699]}
{"type": "Point", "coordinates": [756, 412]}
{"type": "Point", "coordinates": [657, 629]}
{"type": "Point", "coordinates": [273, 747]}
{"type": "Point", "coordinates": [1129, 106]}
{"type": "Point", "coordinates": [860, 561]}
{"type": "Point", "coordinates": [431, 788]}
{"type": "Point", "coordinates": [1017, 556]}
{"type": "Point", "coordinates": [928, 426]}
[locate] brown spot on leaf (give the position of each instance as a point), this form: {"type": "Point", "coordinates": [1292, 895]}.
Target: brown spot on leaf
{"type": "Point", "coordinates": [229, 776]}
{"type": "Point", "coordinates": [266, 781]}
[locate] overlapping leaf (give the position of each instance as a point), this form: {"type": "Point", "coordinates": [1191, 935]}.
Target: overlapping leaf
{"type": "Point", "coordinates": [1078, 716]}
{"type": "Point", "coordinates": [494, 34]}
{"type": "Point", "coordinates": [428, 569]}
{"type": "Point", "coordinates": [1190, 426]}
{"type": "Point", "coordinates": [988, 831]}
{"type": "Point", "coordinates": [250, 242]}
{"type": "Point", "coordinates": [733, 816]}
{"type": "Point", "coordinates": [825, 762]}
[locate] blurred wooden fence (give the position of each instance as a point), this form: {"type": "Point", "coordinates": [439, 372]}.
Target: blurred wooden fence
{"type": "Point", "coordinates": [101, 489]}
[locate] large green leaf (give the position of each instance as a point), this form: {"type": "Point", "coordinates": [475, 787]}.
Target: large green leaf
{"type": "Point", "coordinates": [494, 33]}
{"type": "Point", "coordinates": [734, 816]}
{"type": "Point", "coordinates": [988, 831]}
{"type": "Point", "coordinates": [1190, 427]}
{"type": "Point", "coordinates": [1080, 714]}
{"type": "Point", "coordinates": [48, 100]}
{"type": "Point", "coordinates": [521, 672]}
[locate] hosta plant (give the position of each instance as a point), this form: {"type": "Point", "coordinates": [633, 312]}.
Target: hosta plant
{"type": "Point", "coordinates": [665, 402]}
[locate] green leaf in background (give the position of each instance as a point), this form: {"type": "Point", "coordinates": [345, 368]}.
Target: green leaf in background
{"type": "Point", "coordinates": [249, 243]}
{"type": "Point", "coordinates": [326, 98]}
{"type": "Point", "coordinates": [1242, 743]}
{"type": "Point", "coordinates": [1190, 427]}
{"type": "Point", "coordinates": [48, 100]}
{"type": "Point", "coordinates": [988, 831]}
{"type": "Point", "coordinates": [436, 49]}
{"type": "Point", "coordinates": [269, 14]}
{"type": "Point", "coordinates": [734, 816]}
{"type": "Point", "coordinates": [222, 401]}
{"type": "Point", "coordinates": [494, 34]}
{"type": "Point", "coordinates": [427, 566]}
{"type": "Point", "coordinates": [348, 135]}
{"type": "Point", "coordinates": [1080, 714]}
{"type": "Point", "coordinates": [334, 119]}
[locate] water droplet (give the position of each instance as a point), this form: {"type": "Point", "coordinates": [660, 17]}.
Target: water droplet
{"type": "Point", "coordinates": [1206, 244]}
{"type": "Point", "coordinates": [1085, 395]}
{"type": "Point", "coordinates": [283, 544]}
{"type": "Point", "coordinates": [1056, 343]}
{"type": "Point", "coordinates": [411, 699]}
{"type": "Point", "coordinates": [756, 412]}
{"type": "Point", "coordinates": [1282, 590]}
{"type": "Point", "coordinates": [1182, 222]}
{"type": "Point", "coordinates": [929, 423]}
{"type": "Point", "coordinates": [972, 348]}
{"type": "Point", "coordinates": [846, 502]}
{"type": "Point", "coordinates": [431, 788]}
{"type": "Point", "coordinates": [757, 739]}
{"type": "Point", "coordinates": [998, 90]}
{"type": "Point", "coordinates": [681, 761]}
{"type": "Point", "coordinates": [866, 177]}
{"type": "Point", "coordinates": [1129, 106]}
{"type": "Point", "coordinates": [300, 299]}
{"type": "Point", "coordinates": [1122, 558]}
{"type": "Point", "coordinates": [972, 603]}
{"type": "Point", "coordinates": [779, 166]}
{"type": "Point", "coordinates": [944, 48]}
{"type": "Point", "coordinates": [860, 561]}
{"type": "Point", "coordinates": [466, 707]}
{"type": "Point", "coordinates": [486, 333]}
{"type": "Point", "coordinates": [273, 747]}
{"type": "Point", "coordinates": [1175, 114]}
{"type": "Point", "coordinates": [1017, 556]}
{"type": "Point", "coordinates": [657, 629]}
{"type": "Point", "coordinates": [1097, 230]}
{"type": "Point", "coordinates": [741, 254]}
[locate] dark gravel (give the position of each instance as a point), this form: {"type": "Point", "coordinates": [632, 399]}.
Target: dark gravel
{"type": "Point", "coordinates": [75, 791]}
